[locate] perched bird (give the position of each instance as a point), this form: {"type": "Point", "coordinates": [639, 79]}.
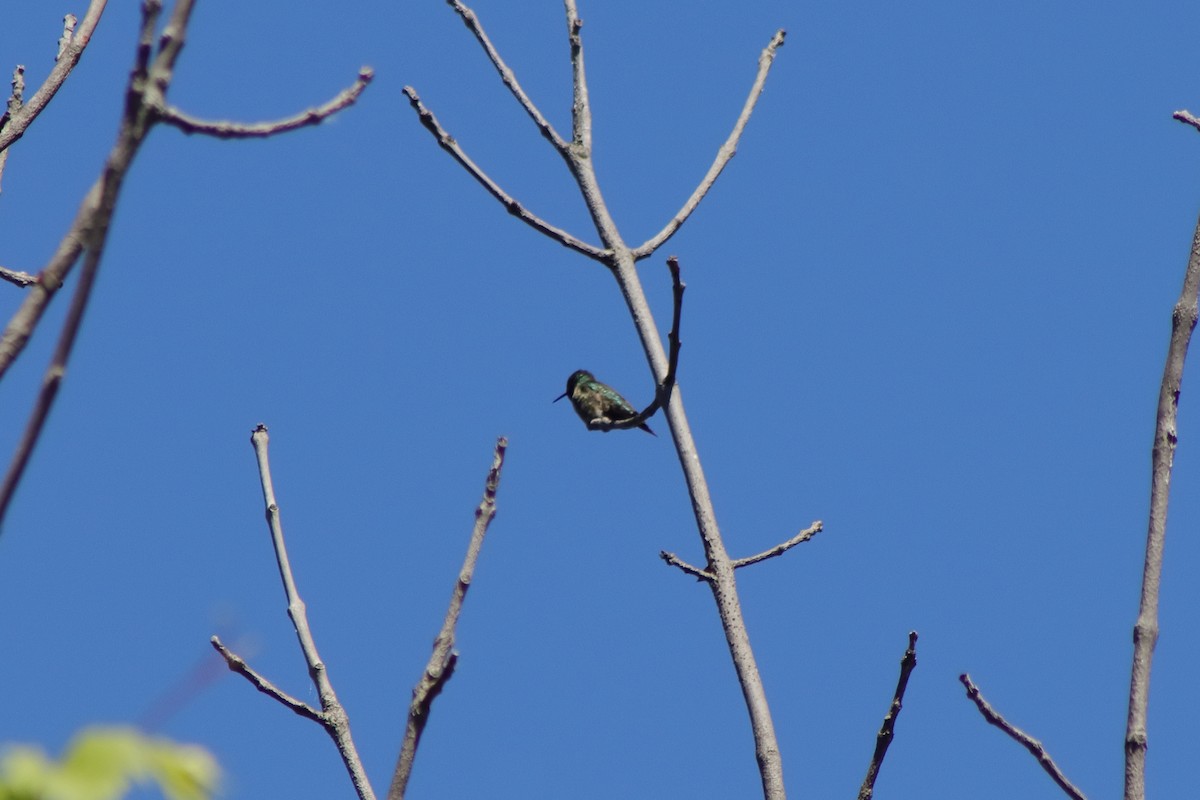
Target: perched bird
{"type": "Point", "coordinates": [594, 400]}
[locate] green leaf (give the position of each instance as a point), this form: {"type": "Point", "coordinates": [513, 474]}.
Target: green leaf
{"type": "Point", "coordinates": [102, 763]}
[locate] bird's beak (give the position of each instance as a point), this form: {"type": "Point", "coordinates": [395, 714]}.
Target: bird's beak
{"type": "Point", "coordinates": [560, 397]}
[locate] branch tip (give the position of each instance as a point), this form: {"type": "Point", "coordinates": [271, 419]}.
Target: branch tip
{"type": "Point", "coordinates": [1034, 747]}
{"type": "Point", "coordinates": [887, 731]}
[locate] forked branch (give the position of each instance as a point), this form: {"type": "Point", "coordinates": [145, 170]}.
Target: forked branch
{"type": "Point", "coordinates": [705, 575]}
{"type": "Point", "coordinates": [150, 78]}
{"type": "Point", "coordinates": [70, 48]}
{"type": "Point", "coordinates": [621, 262]}
{"type": "Point", "coordinates": [332, 716]}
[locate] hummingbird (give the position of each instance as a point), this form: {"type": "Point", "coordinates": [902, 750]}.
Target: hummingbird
{"type": "Point", "coordinates": [595, 400]}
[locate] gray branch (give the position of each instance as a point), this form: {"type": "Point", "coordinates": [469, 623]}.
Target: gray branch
{"type": "Point", "coordinates": [1020, 737]}
{"type": "Point", "coordinates": [1145, 630]}
{"type": "Point", "coordinates": [444, 658]}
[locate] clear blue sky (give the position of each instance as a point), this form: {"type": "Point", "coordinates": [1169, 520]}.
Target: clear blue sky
{"type": "Point", "coordinates": [928, 304]}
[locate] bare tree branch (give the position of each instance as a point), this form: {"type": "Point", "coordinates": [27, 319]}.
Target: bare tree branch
{"type": "Point", "coordinates": [15, 100]}
{"type": "Point", "coordinates": [675, 561]}
{"type": "Point", "coordinates": [1188, 118]}
{"type": "Point", "coordinates": [224, 129]}
{"type": "Point", "coordinates": [21, 279]}
{"type": "Point", "coordinates": [68, 57]}
{"type": "Point", "coordinates": [451, 146]}
{"type": "Point", "coordinates": [1025, 740]}
{"type": "Point", "coordinates": [621, 261]}
{"type": "Point", "coordinates": [237, 664]}
{"type": "Point", "coordinates": [581, 109]}
{"type": "Point", "coordinates": [90, 230]}
{"type": "Point", "coordinates": [799, 538]}
{"type": "Point", "coordinates": [51, 381]}
{"type": "Point", "coordinates": [887, 731]}
{"type": "Point", "coordinates": [726, 152]}
{"type": "Point", "coordinates": [333, 717]}
{"type": "Point", "coordinates": [69, 22]}
{"type": "Point", "coordinates": [444, 658]}
{"type": "Point", "coordinates": [149, 80]}
{"type": "Point", "coordinates": [1145, 630]}
{"type": "Point", "coordinates": [471, 20]}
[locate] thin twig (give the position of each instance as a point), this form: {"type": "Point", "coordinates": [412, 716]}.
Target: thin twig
{"type": "Point", "coordinates": [726, 152]}
{"type": "Point", "coordinates": [1025, 740]}
{"type": "Point", "coordinates": [1145, 630]}
{"type": "Point", "coordinates": [471, 20]}
{"type": "Point", "coordinates": [334, 719]}
{"type": "Point", "coordinates": [16, 97]}
{"type": "Point", "coordinates": [15, 100]}
{"type": "Point", "coordinates": [662, 393]}
{"type": "Point", "coordinates": [51, 381]}
{"type": "Point", "coordinates": [68, 57]}
{"type": "Point", "coordinates": [444, 659]}
{"type": "Point", "coordinates": [1187, 117]}
{"type": "Point", "coordinates": [675, 561]}
{"type": "Point", "coordinates": [799, 538]}
{"type": "Point", "coordinates": [237, 664]}
{"type": "Point", "coordinates": [68, 34]}
{"type": "Point", "coordinates": [223, 129]}
{"type": "Point", "coordinates": [21, 279]}
{"type": "Point", "coordinates": [887, 731]}
{"type": "Point", "coordinates": [514, 207]}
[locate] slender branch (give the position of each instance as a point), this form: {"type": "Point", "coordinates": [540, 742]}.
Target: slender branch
{"type": "Point", "coordinates": [15, 100]}
{"type": "Point", "coordinates": [799, 538]}
{"type": "Point", "coordinates": [726, 152]}
{"type": "Point", "coordinates": [237, 664]}
{"type": "Point", "coordinates": [993, 717]}
{"type": "Point", "coordinates": [68, 56]}
{"type": "Point", "coordinates": [444, 659]}
{"type": "Point", "coordinates": [1145, 630]}
{"type": "Point", "coordinates": [662, 393]}
{"type": "Point", "coordinates": [675, 561]}
{"type": "Point", "coordinates": [223, 129]}
{"type": "Point", "coordinates": [21, 279]}
{"type": "Point", "coordinates": [471, 20]}
{"type": "Point", "coordinates": [887, 731]}
{"type": "Point", "coordinates": [51, 381]}
{"type": "Point", "coordinates": [334, 718]}
{"type": "Point", "coordinates": [1188, 118]}
{"type": "Point", "coordinates": [451, 146]}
